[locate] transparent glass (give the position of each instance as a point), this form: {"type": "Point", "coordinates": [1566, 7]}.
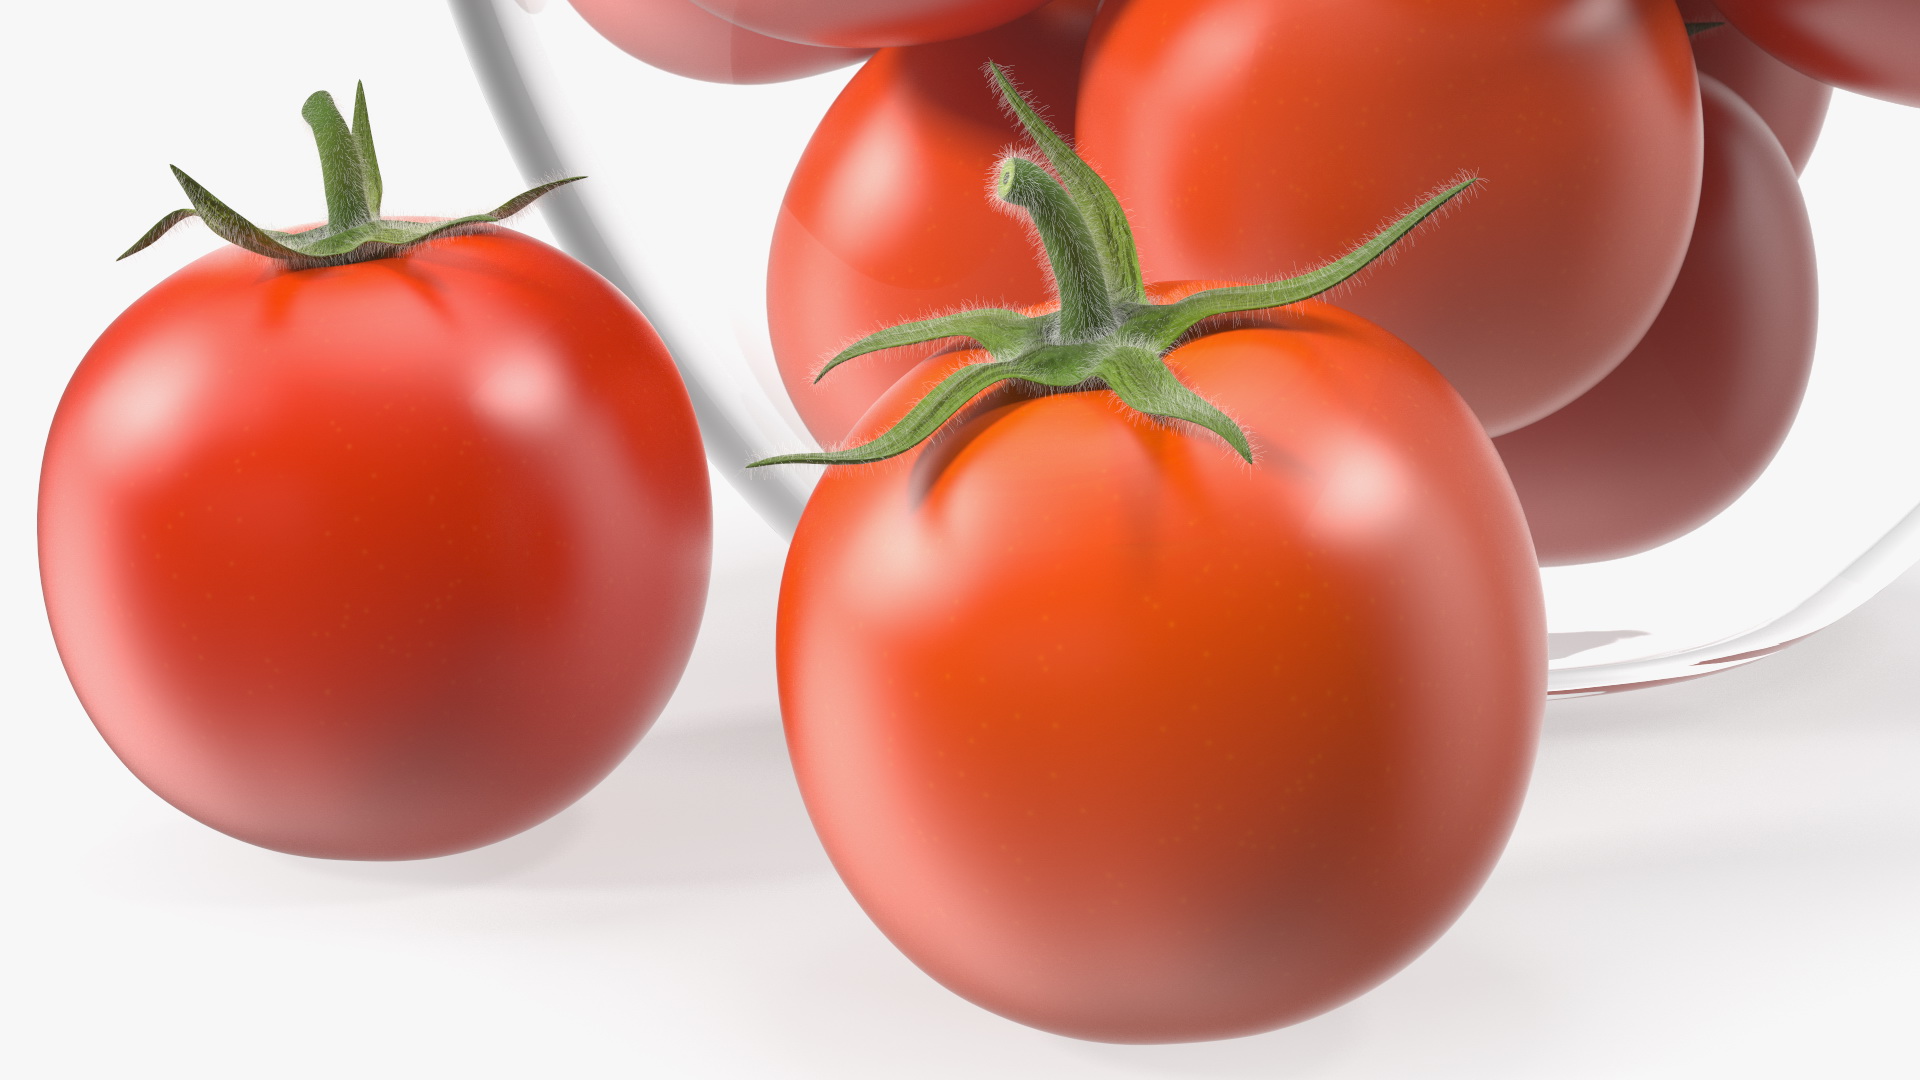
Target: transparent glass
{"type": "Point", "coordinates": [687, 178]}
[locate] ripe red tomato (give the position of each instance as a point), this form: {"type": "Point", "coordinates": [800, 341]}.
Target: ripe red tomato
{"type": "Point", "coordinates": [1688, 421]}
{"type": "Point", "coordinates": [866, 24]}
{"type": "Point", "coordinates": [686, 39]}
{"type": "Point", "coordinates": [1867, 46]}
{"type": "Point", "coordinates": [1793, 105]}
{"type": "Point", "coordinates": [1123, 738]}
{"type": "Point", "coordinates": [378, 561]}
{"type": "Point", "coordinates": [1583, 116]}
{"type": "Point", "coordinates": [885, 219]}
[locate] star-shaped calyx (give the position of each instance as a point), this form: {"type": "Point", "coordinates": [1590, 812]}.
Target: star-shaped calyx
{"type": "Point", "coordinates": [355, 231]}
{"type": "Point", "coordinates": [1106, 333]}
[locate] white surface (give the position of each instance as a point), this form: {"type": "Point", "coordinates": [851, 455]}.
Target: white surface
{"type": "Point", "coordinates": [1719, 878]}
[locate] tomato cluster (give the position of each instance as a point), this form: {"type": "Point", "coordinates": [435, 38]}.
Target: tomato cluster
{"type": "Point", "coordinates": [1162, 651]}
{"type": "Point", "coordinates": [1030, 755]}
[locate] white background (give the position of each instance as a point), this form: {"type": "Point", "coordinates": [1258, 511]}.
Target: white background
{"type": "Point", "coordinates": [1719, 878]}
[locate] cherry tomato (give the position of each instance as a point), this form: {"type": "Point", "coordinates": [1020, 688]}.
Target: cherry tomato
{"type": "Point", "coordinates": [1583, 116]}
{"type": "Point", "coordinates": [866, 24]}
{"type": "Point", "coordinates": [1686, 423]}
{"type": "Point", "coordinates": [885, 219]}
{"type": "Point", "coordinates": [377, 561]}
{"type": "Point", "coordinates": [1123, 738]}
{"type": "Point", "coordinates": [1793, 105]}
{"type": "Point", "coordinates": [686, 39]}
{"type": "Point", "coordinates": [1867, 46]}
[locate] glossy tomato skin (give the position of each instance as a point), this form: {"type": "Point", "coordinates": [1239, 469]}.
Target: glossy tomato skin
{"type": "Point", "coordinates": [379, 561]}
{"type": "Point", "coordinates": [888, 217]}
{"type": "Point", "coordinates": [686, 39]}
{"type": "Point", "coordinates": [1689, 421]}
{"type": "Point", "coordinates": [866, 24]}
{"type": "Point", "coordinates": [1793, 105]}
{"type": "Point", "coordinates": [1252, 139]}
{"type": "Point", "coordinates": [1122, 738]}
{"type": "Point", "coordinates": [1867, 46]}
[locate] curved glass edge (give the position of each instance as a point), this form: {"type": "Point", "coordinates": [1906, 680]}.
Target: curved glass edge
{"type": "Point", "coordinates": [1876, 568]}
{"type": "Point", "coordinates": [508, 60]}
{"type": "Point", "coordinates": [735, 428]}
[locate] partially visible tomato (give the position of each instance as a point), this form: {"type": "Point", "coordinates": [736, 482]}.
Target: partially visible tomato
{"type": "Point", "coordinates": [1251, 139]}
{"type": "Point", "coordinates": [1867, 46]}
{"type": "Point", "coordinates": [377, 560]}
{"type": "Point", "coordinates": [1690, 420]}
{"type": "Point", "coordinates": [885, 219]}
{"type": "Point", "coordinates": [1793, 105]}
{"type": "Point", "coordinates": [866, 24]}
{"type": "Point", "coordinates": [686, 39]}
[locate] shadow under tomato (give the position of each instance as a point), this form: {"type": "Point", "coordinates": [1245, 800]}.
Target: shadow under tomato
{"type": "Point", "coordinates": [702, 803]}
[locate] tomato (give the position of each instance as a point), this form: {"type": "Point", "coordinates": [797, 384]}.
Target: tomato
{"type": "Point", "coordinates": [1583, 116]}
{"type": "Point", "coordinates": [865, 24]}
{"type": "Point", "coordinates": [379, 560]}
{"type": "Point", "coordinates": [1688, 421]}
{"type": "Point", "coordinates": [1867, 46]}
{"type": "Point", "coordinates": [686, 39]}
{"type": "Point", "coordinates": [884, 219]}
{"type": "Point", "coordinates": [1121, 738]}
{"type": "Point", "coordinates": [1124, 736]}
{"type": "Point", "coordinates": [1793, 105]}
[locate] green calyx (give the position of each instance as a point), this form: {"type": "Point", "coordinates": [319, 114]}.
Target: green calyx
{"type": "Point", "coordinates": [1106, 334]}
{"type": "Point", "coordinates": [355, 231]}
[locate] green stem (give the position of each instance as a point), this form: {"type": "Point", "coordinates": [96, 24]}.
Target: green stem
{"type": "Point", "coordinates": [1090, 193]}
{"type": "Point", "coordinates": [1106, 335]}
{"type": "Point", "coordinates": [342, 169]}
{"type": "Point", "coordinates": [1086, 307]}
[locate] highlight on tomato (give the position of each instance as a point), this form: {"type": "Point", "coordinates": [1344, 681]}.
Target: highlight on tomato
{"type": "Point", "coordinates": [883, 219]}
{"type": "Point", "coordinates": [867, 24]}
{"type": "Point", "coordinates": [1166, 664]}
{"type": "Point", "coordinates": [378, 540]}
{"type": "Point", "coordinates": [1689, 421]}
{"type": "Point", "coordinates": [681, 37]}
{"type": "Point", "coordinates": [1251, 138]}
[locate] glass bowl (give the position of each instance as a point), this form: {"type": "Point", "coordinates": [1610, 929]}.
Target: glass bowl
{"type": "Point", "coordinates": [686, 179]}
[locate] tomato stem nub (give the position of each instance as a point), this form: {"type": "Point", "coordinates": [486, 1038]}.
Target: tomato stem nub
{"type": "Point", "coordinates": [350, 172]}
{"type": "Point", "coordinates": [1106, 334]}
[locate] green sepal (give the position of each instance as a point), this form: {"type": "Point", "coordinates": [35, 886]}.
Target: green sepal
{"type": "Point", "coordinates": [1695, 29]}
{"type": "Point", "coordinates": [921, 421]}
{"type": "Point", "coordinates": [159, 230]}
{"type": "Point", "coordinates": [1001, 332]}
{"type": "Point", "coordinates": [1140, 378]}
{"type": "Point", "coordinates": [1164, 324]}
{"type": "Point", "coordinates": [355, 231]}
{"type": "Point", "coordinates": [363, 142]}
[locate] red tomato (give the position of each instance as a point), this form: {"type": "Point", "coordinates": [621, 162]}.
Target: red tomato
{"type": "Point", "coordinates": [1583, 116]}
{"type": "Point", "coordinates": [376, 561]}
{"type": "Point", "coordinates": [1867, 46]}
{"type": "Point", "coordinates": [866, 24]}
{"type": "Point", "coordinates": [1793, 105]}
{"type": "Point", "coordinates": [1688, 421]}
{"type": "Point", "coordinates": [886, 218]}
{"type": "Point", "coordinates": [1121, 737]}
{"type": "Point", "coordinates": [686, 39]}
